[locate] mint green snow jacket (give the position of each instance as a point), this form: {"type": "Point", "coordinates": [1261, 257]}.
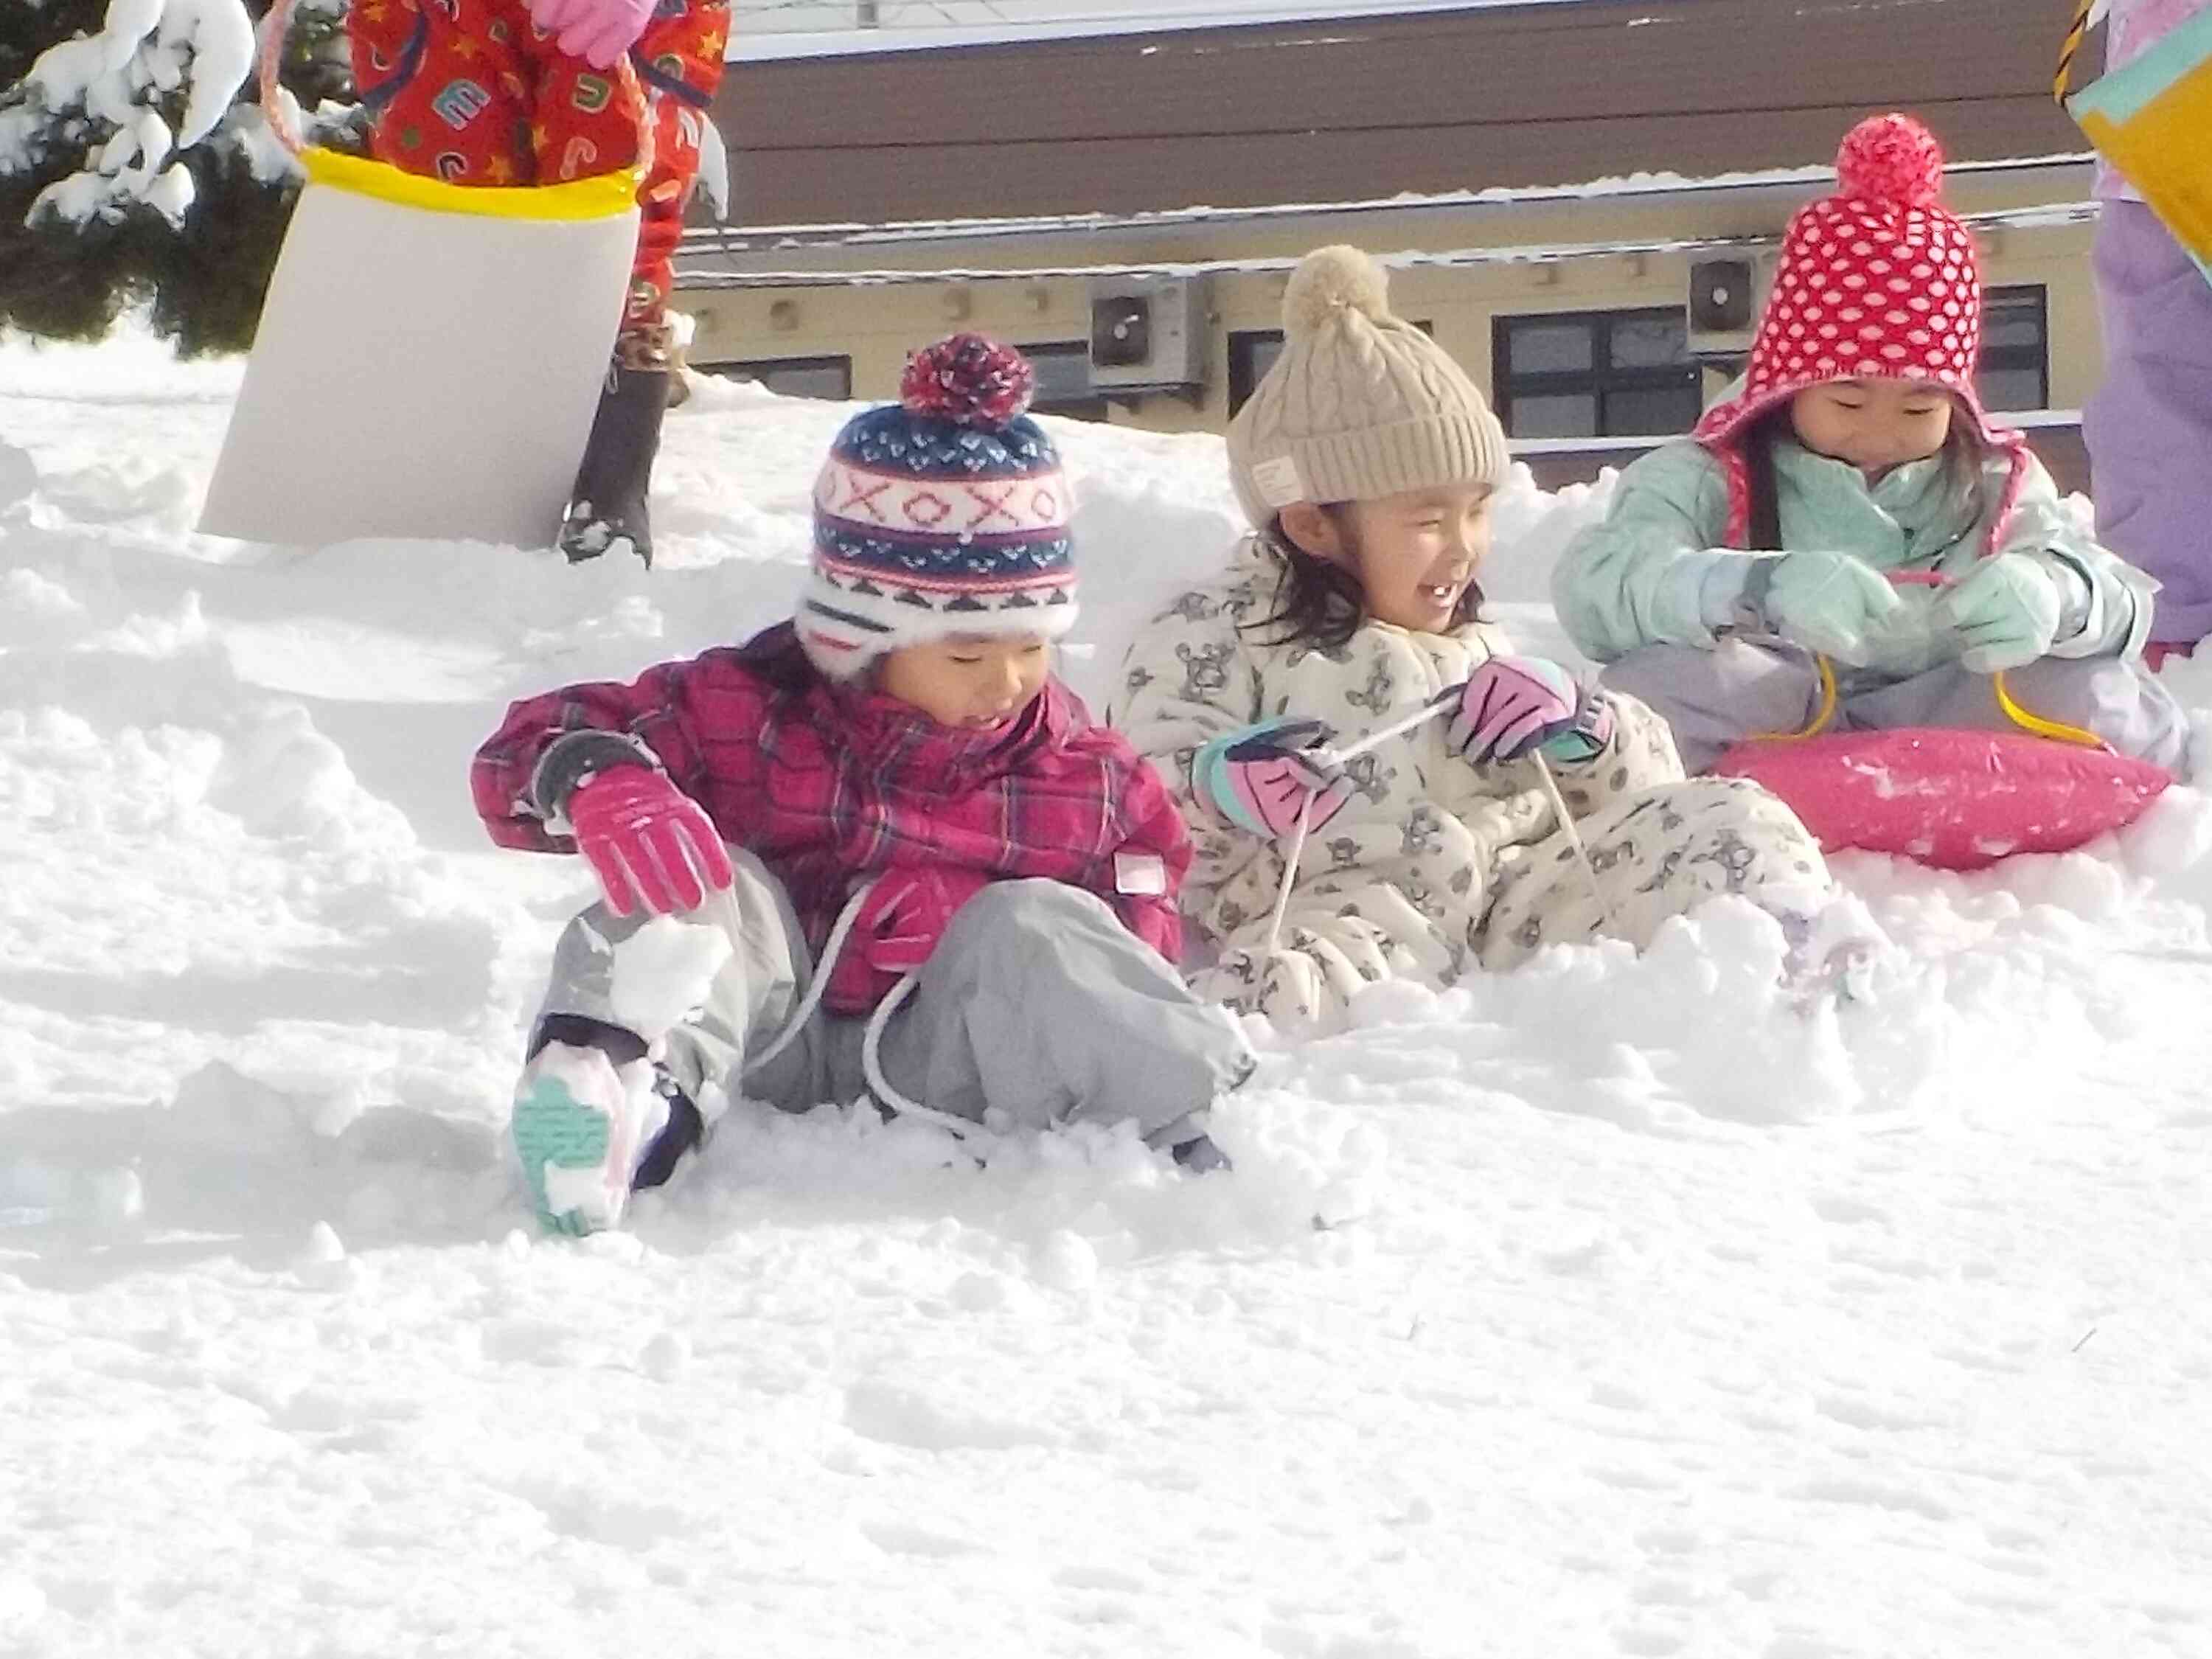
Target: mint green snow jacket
{"type": "Point", "coordinates": [1654, 571]}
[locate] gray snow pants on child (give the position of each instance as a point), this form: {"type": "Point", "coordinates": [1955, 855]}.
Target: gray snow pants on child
{"type": "Point", "coordinates": [1716, 699]}
{"type": "Point", "coordinates": [1036, 1003]}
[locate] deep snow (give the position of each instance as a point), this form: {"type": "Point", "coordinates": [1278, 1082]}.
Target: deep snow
{"type": "Point", "coordinates": [1657, 1320]}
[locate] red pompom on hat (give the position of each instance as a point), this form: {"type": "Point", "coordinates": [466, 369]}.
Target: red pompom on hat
{"type": "Point", "coordinates": [1892, 159]}
{"type": "Point", "coordinates": [967, 379]}
{"type": "Point", "coordinates": [1878, 280]}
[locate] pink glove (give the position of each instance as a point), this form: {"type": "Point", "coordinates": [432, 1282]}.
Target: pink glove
{"type": "Point", "coordinates": [896, 932]}
{"type": "Point", "coordinates": [1511, 705]}
{"type": "Point", "coordinates": [1260, 777]}
{"type": "Point", "coordinates": [598, 31]}
{"type": "Point", "coordinates": [650, 843]}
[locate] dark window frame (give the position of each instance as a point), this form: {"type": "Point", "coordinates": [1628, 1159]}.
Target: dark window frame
{"type": "Point", "coordinates": [2015, 359]}
{"type": "Point", "coordinates": [1244, 345]}
{"type": "Point", "coordinates": [758, 369]}
{"type": "Point", "coordinates": [1601, 377]}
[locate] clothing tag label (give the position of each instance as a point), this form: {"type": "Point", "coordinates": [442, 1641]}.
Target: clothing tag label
{"type": "Point", "coordinates": [1278, 481]}
{"type": "Point", "coordinates": [1144, 873]}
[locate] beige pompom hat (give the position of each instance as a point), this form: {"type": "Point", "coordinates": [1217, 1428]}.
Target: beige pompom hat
{"type": "Point", "coordinates": [1359, 405]}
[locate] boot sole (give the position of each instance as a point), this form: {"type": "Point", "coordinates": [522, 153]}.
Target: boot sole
{"type": "Point", "coordinates": [553, 1130]}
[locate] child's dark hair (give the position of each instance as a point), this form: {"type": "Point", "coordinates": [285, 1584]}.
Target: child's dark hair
{"type": "Point", "coordinates": [1963, 455]}
{"type": "Point", "coordinates": [1321, 603]}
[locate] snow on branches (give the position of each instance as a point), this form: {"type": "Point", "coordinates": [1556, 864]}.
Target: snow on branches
{"type": "Point", "coordinates": [115, 95]}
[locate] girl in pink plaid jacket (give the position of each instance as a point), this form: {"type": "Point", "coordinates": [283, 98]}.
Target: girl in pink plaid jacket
{"type": "Point", "coordinates": [937, 880]}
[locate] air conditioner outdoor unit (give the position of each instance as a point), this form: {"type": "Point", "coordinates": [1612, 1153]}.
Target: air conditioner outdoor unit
{"type": "Point", "coordinates": [1149, 334]}
{"type": "Point", "coordinates": [1723, 305]}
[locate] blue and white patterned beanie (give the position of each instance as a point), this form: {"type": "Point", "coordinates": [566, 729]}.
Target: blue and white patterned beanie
{"type": "Point", "coordinates": [943, 514]}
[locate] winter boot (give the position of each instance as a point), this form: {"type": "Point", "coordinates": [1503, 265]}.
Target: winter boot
{"type": "Point", "coordinates": [1189, 1145]}
{"type": "Point", "coordinates": [594, 1121]}
{"type": "Point", "coordinates": [607, 511]}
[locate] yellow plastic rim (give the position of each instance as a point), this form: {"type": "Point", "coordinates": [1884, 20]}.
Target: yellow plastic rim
{"type": "Point", "coordinates": [600, 197]}
{"type": "Point", "coordinates": [1820, 719]}
{"type": "Point", "coordinates": [2026, 720]}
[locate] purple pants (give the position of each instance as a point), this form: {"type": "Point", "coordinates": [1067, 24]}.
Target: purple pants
{"type": "Point", "coordinates": [2149, 426]}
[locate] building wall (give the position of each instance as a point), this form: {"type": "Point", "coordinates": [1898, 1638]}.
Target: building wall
{"type": "Point", "coordinates": [878, 324]}
{"type": "Point", "coordinates": [1429, 101]}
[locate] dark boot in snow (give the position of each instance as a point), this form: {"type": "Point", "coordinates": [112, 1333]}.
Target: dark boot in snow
{"type": "Point", "coordinates": [607, 513]}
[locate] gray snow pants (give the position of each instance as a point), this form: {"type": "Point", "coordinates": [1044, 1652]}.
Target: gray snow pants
{"type": "Point", "coordinates": [1036, 1003]}
{"type": "Point", "coordinates": [1716, 699]}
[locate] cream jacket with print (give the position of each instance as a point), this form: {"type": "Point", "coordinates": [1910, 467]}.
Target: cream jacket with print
{"type": "Point", "coordinates": [1405, 870]}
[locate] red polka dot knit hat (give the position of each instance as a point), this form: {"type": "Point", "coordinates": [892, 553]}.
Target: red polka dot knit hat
{"type": "Point", "coordinates": [945, 514]}
{"type": "Point", "coordinates": [1876, 281]}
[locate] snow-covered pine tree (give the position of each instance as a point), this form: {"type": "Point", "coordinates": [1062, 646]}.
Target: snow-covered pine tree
{"type": "Point", "coordinates": [135, 166]}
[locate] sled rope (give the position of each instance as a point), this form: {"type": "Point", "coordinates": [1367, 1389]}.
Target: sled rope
{"type": "Point", "coordinates": [1297, 851]}
{"type": "Point", "coordinates": [1574, 840]}
{"type": "Point", "coordinates": [1338, 756]}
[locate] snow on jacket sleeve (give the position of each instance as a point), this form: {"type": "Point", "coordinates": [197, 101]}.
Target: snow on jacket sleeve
{"type": "Point", "coordinates": [2108, 608]}
{"type": "Point", "coordinates": [659, 711]}
{"type": "Point", "coordinates": [1637, 577]}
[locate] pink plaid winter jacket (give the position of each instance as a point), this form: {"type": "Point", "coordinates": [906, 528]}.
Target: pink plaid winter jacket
{"type": "Point", "coordinates": [829, 787]}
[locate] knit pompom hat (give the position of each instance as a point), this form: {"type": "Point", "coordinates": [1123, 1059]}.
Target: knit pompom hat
{"type": "Point", "coordinates": [943, 513]}
{"type": "Point", "coordinates": [1876, 281]}
{"type": "Point", "coordinates": [1359, 404]}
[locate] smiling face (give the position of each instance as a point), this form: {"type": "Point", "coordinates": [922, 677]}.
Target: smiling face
{"type": "Point", "coordinates": [1414, 554]}
{"type": "Point", "coordinates": [973, 681]}
{"type": "Point", "coordinates": [1873, 425]}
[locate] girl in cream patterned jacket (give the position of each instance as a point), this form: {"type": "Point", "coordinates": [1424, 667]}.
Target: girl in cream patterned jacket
{"type": "Point", "coordinates": [1367, 460]}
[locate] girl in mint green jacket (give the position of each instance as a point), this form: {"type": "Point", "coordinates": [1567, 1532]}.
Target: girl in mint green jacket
{"type": "Point", "coordinates": [1851, 501]}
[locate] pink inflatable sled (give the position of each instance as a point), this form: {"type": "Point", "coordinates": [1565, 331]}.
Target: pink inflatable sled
{"type": "Point", "coordinates": [1955, 799]}
{"type": "Point", "coordinates": [1958, 800]}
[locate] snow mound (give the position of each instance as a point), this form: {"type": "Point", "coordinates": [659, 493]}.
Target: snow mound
{"type": "Point", "coordinates": [1613, 1306]}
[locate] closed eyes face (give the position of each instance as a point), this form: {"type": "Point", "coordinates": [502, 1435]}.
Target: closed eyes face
{"type": "Point", "coordinates": [1415, 552]}
{"type": "Point", "coordinates": [1873, 424]}
{"type": "Point", "coordinates": [973, 681]}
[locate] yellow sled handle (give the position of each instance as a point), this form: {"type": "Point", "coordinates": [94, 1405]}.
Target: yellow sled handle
{"type": "Point", "coordinates": [2026, 719]}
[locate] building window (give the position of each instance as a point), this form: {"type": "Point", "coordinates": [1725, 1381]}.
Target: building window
{"type": "Point", "coordinates": [793, 377]}
{"type": "Point", "coordinates": [1252, 352]}
{"type": "Point", "coordinates": [1596, 375]}
{"type": "Point", "coordinates": [2015, 371]}
{"type": "Point", "coordinates": [1063, 380]}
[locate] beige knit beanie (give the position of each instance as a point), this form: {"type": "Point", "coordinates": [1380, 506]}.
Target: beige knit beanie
{"type": "Point", "coordinates": [1359, 405]}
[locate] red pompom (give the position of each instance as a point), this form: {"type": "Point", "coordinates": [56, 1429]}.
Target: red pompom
{"type": "Point", "coordinates": [967, 379]}
{"type": "Point", "coordinates": [1893, 160]}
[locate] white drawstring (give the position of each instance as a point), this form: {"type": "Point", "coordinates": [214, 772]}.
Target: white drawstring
{"type": "Point", "coordinates": [871, 1068]}
{"type": "Point", "coordinates": [831, 949]}
{"type": "Point", "coordinates": [878, 1022]}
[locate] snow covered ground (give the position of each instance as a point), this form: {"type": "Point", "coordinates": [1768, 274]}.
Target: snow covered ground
{"type": "Point", "coordinates": [1658, 1320]}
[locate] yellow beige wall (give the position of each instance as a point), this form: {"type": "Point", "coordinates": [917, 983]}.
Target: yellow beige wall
{"type": "Point", "coordinates": [876, 324]}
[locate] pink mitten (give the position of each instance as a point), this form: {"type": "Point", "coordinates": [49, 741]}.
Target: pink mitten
{"type": "Point", "coordinates": [1261, 778]}
{"type": "Point", "coordinates": [598, 31]}
{"type": "Point", "coordinates": [649, 843]}
{"type": "Point", "coordinates": [1511, 705]}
